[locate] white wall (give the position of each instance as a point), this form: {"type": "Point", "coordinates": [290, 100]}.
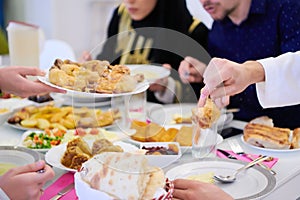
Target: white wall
{"type": "Point", "coordinates": [81, 23]}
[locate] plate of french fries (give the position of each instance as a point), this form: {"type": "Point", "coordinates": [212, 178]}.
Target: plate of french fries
{"type": "Point", "coordinates": [63, 118]}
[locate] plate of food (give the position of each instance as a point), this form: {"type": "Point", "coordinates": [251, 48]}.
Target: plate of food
{"type": "Point", "coordinates": [71, 155]}
{"type": "Point", "coordinates": [150, 72]}
{"type": "Point", "coordinates": [181, 114]}
{"type": "Point", "coordinates": [260, 134]}
{"type": "Point", "coordinates": [42, 141]}
{"type": "Point", "coordinates": [258, 181]}
{"type": "Point", "coordinates": [13, 156]}
{"type": "Point", "coordinates": [94, 78]}
{"type": "Point", "coordinates": [64, 118]}
{"type": "Point", "coordinates": [122, 180]}
{"type": "Point", "coordinates": [153, 132]}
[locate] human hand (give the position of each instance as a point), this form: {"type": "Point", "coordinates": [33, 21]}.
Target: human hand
{"type": "Point", "coordinates": [191, 70]}
{"type": "Point", "coordinates": [13, 80]}
{"type": "Point", "coordinates": [190, 190]}
{"type": "Point", "coordinates": [85, 56]}
{"type": "Point", "coordinates": [224, 78]}
{"type": "Point", "coordinates": [25, 182]}
{"type": "Point", "coordinates": [160, 85]}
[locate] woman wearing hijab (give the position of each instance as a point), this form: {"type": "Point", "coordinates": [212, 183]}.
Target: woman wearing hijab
{"type": "Point", "coordinates": [156, 32]}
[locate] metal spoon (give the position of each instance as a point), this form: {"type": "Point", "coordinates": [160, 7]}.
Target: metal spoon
{"type": "Point", "coordinates": [231, 178]}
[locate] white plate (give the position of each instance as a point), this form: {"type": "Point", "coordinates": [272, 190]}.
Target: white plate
{"type": "Point", "coordinates": [18, 155]}
{"type": "Point", "coordinates": [151, 72]}
{"type": "Point", "coordinates": [252, 183]}
{"type": "Point", "coordinates": [267, 150]}
{"type": "Point", "coordinates": [183, 149]}
{"type": "Point", "coordinates": [163, 114]}
{"type": "Point", "coordinates": [54, 155]}
{"type": "Point", "coordinates": [69, 98]}
{"type": "Point", "coordinates": [141, 87]}
{"type": "Point", "coordinates": [25, 134]}
{"type": "Point", "coordinates": [110, 135]}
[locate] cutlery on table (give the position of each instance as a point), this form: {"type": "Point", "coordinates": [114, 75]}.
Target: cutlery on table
{"type": "Point", "coordinates": [236, 148]}
{"type": "Point", "coordinates": [63, 191]}
{"type": "Point", "coordinates": [232, 178]}
{"type": "Point", "coordinates": [225, 153]}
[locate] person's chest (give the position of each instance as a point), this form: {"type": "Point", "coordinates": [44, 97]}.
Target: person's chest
{"type": "Point", "coordinates": [255, 38]}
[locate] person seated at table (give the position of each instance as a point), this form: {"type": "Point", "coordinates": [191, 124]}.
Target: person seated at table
{"type": "Point", "coordinates": [24, 182]}
{"type": "Point", "coordinates": [130, 43]}
{"type": "Point", "coordinates": [220, 84]}
{"type": "Point", "coordinates": [224, 78]}
{"type": "Point", "coordinates": [251, 30]}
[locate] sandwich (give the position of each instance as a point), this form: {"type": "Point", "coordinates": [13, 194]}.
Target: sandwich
{"type": "Point", "coordinates": [123, 176]}
{"type": "Point", "coordinates": [296, 138]}
{"type": "Point", "coordinates": [266, 136]}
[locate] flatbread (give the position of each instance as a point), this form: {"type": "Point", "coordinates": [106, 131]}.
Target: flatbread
{"type": "Point", "coordinates": [122, 175]}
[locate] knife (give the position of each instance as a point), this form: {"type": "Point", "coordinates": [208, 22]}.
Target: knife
{"type": "Point", "coordinates": [225, 153]}
{"type": "Point", "coordinates": [63, 191]}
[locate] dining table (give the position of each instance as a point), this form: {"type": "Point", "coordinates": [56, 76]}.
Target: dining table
{"type": "Point", "coordinates": [287, 167]}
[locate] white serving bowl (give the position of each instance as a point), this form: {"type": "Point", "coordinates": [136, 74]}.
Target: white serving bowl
{"type": "Point", "coordinates": [161, 160]}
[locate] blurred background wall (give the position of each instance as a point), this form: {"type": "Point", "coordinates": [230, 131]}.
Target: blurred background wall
{"type": "Point", "coordinates": [81, 23]}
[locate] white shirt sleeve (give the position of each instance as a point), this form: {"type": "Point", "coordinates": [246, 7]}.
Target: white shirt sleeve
{"type": "Point", "coordinates": [168, 95]}
{"type": "Point", "coordinates": [282, 81]}
{"type": "Point", "coordinates": [3, 195]}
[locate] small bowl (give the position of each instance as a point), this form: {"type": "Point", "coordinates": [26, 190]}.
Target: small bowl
{"type": "Point", "coordinates": [161, 160]}
{"type": "Point", "coordinates": [13, 156]}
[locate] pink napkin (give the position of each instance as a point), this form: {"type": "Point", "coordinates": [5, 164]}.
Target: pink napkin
{"type": "Point", "coordinates": [270, 164]}
{"type": "Point", "coordinates": [59, 184]}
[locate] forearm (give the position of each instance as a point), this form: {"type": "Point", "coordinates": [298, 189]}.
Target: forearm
{"type": "Point", "coordinates": [256, 72]}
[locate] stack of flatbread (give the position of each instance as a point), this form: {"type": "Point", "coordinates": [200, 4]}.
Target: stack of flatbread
{"type": "Point", "coordinates": [123, 176]}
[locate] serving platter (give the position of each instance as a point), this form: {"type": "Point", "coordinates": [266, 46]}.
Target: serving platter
{"type": "Point", "coordinates": [54, 155]}
{"type": "Point", "coordinates": [253, 183]}
{"type": "Point", "coordinates": [164, 114]}
{"type": "Point", "coordinates": [70, 134]}
{"type": "Point", "coordinates": [184, 149]}
{"type": "Point", "coordinates": [151, 72]}
{"type": "Point", "coordinates": [141, 87]}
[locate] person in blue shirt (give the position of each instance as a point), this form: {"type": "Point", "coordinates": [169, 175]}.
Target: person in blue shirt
{"type": "Point", "coordinates": [251, 30]}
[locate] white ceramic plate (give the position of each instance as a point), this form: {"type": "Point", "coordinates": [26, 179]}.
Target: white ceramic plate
{"type": "Point", "coordinates": [54, 155]}
{"type": "Point", "coordinates": [25, 134]}
{"type": "Point", "coordinates": [110, 135]}
{"type": "Point", "coordinates": [163, 114]}
{"type": "Point", "coordinates": [183, 149]}
{"type": "Point", "coordinates": [81, 99]}
{"type": "Point", "coordinates": [18, 155]}
{"type": "Point", "coordinates": [151, 72]}
{"type": "Point", "coordinates": [267, 150]}
{"type": "Point", "coordinates": [161, 160]}
{"type": "Point", "coordinates": [141, 87]}
{"type": "Point", "coordinates": [250, 184]}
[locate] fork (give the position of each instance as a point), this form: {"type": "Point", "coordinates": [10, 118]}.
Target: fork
{"type": "Point", "coordinates": [236, 148]}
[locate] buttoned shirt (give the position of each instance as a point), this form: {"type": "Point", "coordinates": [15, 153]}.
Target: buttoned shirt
{"type": "Point", "coordinates": [271, 28]}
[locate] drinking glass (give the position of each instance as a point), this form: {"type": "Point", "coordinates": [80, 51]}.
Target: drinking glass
{"type": "Point", "coordinates": [24, 42]}
{"type": "Point", "coordinates": [204, 140]}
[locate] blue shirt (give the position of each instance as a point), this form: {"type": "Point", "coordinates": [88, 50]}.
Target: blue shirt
{"type": "Point", "coordinates": [271, 28]}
